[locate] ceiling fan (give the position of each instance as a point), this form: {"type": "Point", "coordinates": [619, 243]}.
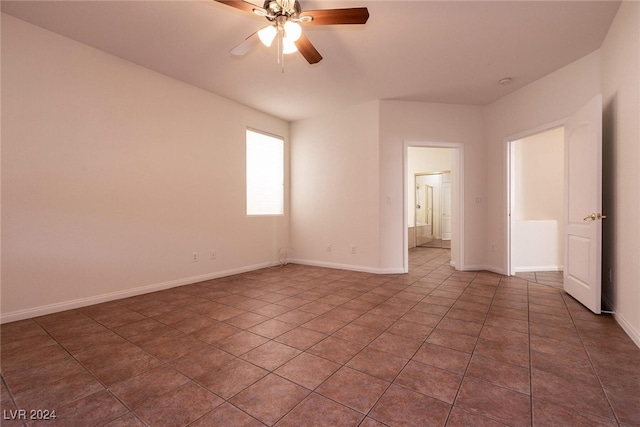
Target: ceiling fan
{"type": "Point", "coordinates": [285, 18]}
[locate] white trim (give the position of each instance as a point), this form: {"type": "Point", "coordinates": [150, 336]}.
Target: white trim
{"type": "Point", "coordinates": [351, 267]}
{"type": "Point", "coordinates": [536, 130]}
{"type": "Point", "coordinates": [489, 268]}
{"type": "Point", "coordinates": [538, 268]}
{"type": "Point", "coordinates": [628, 328]}
{"type": "Point", "coordinates": [457, 199]}
{"type": "Point", "coordinates": [510, 202]}
{"type": "Point", "coordinates": [84, 302]}
{"type": "Point", "coordinates": [495, 270]}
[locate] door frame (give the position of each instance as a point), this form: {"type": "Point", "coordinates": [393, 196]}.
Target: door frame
{"type": "Point", "coordinates": [510, 190]}
{"type": "Point", "coordinates": [457, 200]}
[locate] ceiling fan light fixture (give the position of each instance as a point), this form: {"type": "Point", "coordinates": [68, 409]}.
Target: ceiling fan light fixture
{"type": "Point", "coordinates": [267, 34]}
{"type": "Point", "coordinates": [292, 31]}
{"type": "Point", "coordinates": [285, 17]}
{"type": "Point", "coordinates": [288, 46]}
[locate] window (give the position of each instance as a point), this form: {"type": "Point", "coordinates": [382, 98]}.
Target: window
{"type": "Point", "coordinates": [265, 174]}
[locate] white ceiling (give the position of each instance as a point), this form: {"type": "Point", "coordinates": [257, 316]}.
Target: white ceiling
{"type": "Point", "coordinates": [429, 51]}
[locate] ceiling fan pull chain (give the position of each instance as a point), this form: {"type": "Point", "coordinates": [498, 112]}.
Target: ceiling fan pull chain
{"type": "Point", "coordinates": [281, 48]}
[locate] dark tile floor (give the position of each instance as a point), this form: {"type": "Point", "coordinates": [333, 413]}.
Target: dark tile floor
{"type": "Point", "coordinates": [302, 346]}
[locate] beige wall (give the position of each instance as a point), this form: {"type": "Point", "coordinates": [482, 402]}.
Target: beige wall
{"type": "Point", "coordinates": [621, 166]}
{"type": "Point", "coordinates": [112, 175]}
{"type": "Point", "coordinates": [539, 174]}
{"type": "Point", "coordinates": [334, 189]}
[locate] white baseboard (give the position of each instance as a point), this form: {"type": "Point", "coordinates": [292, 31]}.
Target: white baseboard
{"type": "Point", "coordinates": [538, 268]}
{"type": "Point", "coordinates": [473, 267]}
{"type": "Point", "coordinates": [490, 268]}
{"type": "Point", "coordinates": [496, 270]}
{"type": "Point", "coordinates": [628, 328]}
{"type": "Point", "coordinates": [112, 296]}
{"type": "Point", "coordinates": [351, 267]}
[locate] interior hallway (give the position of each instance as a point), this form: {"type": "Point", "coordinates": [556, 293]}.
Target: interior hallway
{"type": "Point", "coordinates": [303, 345]}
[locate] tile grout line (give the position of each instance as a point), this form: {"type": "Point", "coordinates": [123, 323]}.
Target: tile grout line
{"type": "Point", "coordinates": [464, 375]}
{"type": "Point", "coordinates": [530, 353]}
{"type": "Point", "coordinates": [593, 366]}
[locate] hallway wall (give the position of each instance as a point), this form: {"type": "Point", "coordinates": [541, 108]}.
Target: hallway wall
{"type": "Point", "coordinates": [621, 168]}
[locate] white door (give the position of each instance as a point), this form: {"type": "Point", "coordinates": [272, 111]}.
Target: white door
{"type": "Point", "coordinates": [446, 211]}
{"type": "Point", "coordinates": [583, 205]}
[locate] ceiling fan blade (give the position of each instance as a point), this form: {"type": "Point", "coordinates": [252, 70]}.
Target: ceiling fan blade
{"type": "Point", "coordinates": [356, 15]}
{"type": "Point", "coordinates": [249, 43]}
{"type": "Point", "coordinates": [307, 50]}
{"type": "Point", "coordinates": [243, 5]}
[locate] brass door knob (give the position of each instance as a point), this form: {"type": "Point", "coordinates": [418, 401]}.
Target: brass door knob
{"type": "Point", "coordinates": [594, 216]}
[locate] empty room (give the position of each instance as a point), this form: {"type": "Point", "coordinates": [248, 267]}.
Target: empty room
{"type": "Point", "coordinates": [296, 213]}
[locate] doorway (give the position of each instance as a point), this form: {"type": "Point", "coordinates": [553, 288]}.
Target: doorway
{"type": "Point", "coordinates": [582, 202]}
{"type": "Point", "coordinates": [446, 162]}
{"type": "Point", "coordinates": [536, 202]}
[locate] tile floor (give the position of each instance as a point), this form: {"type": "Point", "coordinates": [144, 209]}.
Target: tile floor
{"type": "Point", "coordinates": [436, 243]}
{"type": "Point", "coordinates": [551, 278]}
{"type": "Point", "coordinates": [302, 346]}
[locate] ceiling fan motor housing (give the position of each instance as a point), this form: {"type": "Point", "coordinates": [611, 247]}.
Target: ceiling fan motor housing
{"type": "Point", "coordinates": [286, 8]}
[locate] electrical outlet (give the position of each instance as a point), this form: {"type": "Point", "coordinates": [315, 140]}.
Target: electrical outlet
{"type": "Point", "coordinates": [328, 247]}
{"type": "Point", "coordinates": [194, 257]}
{"type": "Point", "coordinates": [353, 249]}
{"type": "Point", "coordinates": [212, 255]}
